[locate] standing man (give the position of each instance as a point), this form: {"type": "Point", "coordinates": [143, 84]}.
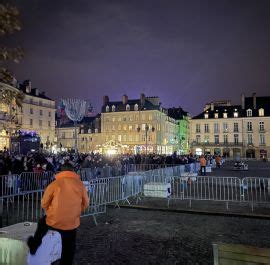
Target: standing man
{"type": "Point", "coordinates": [203, 165]}
{"type": "Point", "coordinates": [64, 200]}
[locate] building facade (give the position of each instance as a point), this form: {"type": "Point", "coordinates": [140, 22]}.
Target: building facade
{"type": "Point", "coordinates": [38, 114]}
{"type": "Point", "coordinates": [139, 126]}
{"type": "Point", "coordinates": [10, 117]}
{"type": "Point", "coordinates": [233, 130]}
{"type": "Point", "coordinates": [126, 126]}
{"type": "Point", "coordinates": [182, 118]}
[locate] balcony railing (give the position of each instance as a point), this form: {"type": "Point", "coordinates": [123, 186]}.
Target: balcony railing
{"type": "Point", "coordinates": [214, 144]}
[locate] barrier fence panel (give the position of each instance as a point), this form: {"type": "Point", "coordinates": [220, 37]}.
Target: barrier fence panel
{"type": "Point", "coordinates": [9, 184]}
{"type": "Point", "coordinates": [97, 196]}
{"type": "Point", "coordinates": [20, 208]}
{"type": "Point", "coordinates": [255, 190]}
{"type": "Point", "coordinates": [35, 181]}
{"type": "Point", "coordinates": [206, 188]}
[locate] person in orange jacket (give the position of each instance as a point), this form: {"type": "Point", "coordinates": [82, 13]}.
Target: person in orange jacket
{"type": "Point", "coordinates": [203, 165]}
{"type": "Point", "coordinates": [63, 200]}
{"type": "Point", "coordinates": [218, 160]}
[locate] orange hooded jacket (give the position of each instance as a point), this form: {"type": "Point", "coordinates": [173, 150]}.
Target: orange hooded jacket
{"type": "Point", "coordinates": [64, 200]}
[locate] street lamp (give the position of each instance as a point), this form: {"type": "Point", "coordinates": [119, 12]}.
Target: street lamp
{"type": "Point", "coordinates": [147, 128]}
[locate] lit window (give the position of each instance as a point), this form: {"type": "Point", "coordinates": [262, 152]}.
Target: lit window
{"type": "Point", "coordinates": [249, 113]}
{"type": "Point", "coordinates": [235, 114]}
{"type": "Point", "coordinates": [113, 108]}
{"type": "Point", "coordinates": [107, 108]}
{"type": "Point", "coordinates": [261, 112]}
{"type": "Point", "coordinates": [225, 115]}
{"type": "Point", "coordinates": [216, 115]}
{"type": "Point", "coordinates": [127, 107]}
{"type": "Point", "coordinates": [206, 116]}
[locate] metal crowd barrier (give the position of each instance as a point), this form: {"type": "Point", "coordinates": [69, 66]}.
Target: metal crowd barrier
{"type": "Point", "coordinates": [27, 206]}
{"type": "Point", "coordinates": [97, 196]}
{"type": "Point", "coordinates": [226, 189]}
{"type": "Point", "coordinates": [27, 181]}
{"type": "Point", "coordinates": [20, 208]}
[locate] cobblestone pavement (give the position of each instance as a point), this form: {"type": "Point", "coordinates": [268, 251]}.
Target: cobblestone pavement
{"type": "Point", "coordinates": [130, 236]}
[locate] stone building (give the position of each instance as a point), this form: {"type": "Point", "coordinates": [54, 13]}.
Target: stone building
{"type": "Point", "coordinates": [10, 118]}
{"type": "Point", "coordinates": [38, 114]}
{"type": "Point", "coordinates": [233, 130]}
{"type": "Point", "coordinates": [182, 118]}
{"type": "Point", "coordinates": [137, 126]}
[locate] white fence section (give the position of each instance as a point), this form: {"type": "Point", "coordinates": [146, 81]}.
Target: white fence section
{"type": "Point", "coordinates": [21, 194]}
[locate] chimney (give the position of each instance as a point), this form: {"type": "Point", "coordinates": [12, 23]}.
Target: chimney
{"type": "Point", "coordinates": [105, 100]}
{"type": "Point", "coordinates": [254, 101]}
{"type": "Point", "coordinates": [28, 86]}
{"type": "Point", "coordinates": [36, 92]}
{"type": "Point", "coordinates": [212, 106]}
{"type": "Point", "coordinates": [124, 99]}
{"type": "Point", "coordinates": [243, 100]}
{"type": "Point", "coordinates": [142, 99]}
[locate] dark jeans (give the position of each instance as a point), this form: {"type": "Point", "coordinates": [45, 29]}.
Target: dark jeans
{"type": "Point", "coordinates": [68, 245]}
{"type": "Point", "coordinates": [68, 241]}
{"type": "Point", "coordinates": [203, 170]}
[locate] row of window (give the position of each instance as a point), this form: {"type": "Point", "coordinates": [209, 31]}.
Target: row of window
{"type": "Point", "coordinates": [225, 127]}
{"type": "Point", "coordinates": [40, 123]}
{"type": "Point", "coordinates": [40, 112]}
{"type": "Point", "coordinates": [236, 139]}
{"type": "Point", "coordinates": [235, 114]}
{"type": "Point", "coordinates": [136, 107]}
{"type": "Point", "coordinates": [130, 118]}
{"type": "Point", "coordinates": [129, 138]}
{"type": "Point", "coordinates": [40, 103]}
{"type": "Point", "coordinates": [135, 127]}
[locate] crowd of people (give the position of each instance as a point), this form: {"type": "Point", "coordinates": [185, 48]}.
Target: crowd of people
{"type": "Point", "coordinates": [40, 162]}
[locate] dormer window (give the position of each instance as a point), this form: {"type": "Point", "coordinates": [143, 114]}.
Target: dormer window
{"type": "Point", "coordinates": [107, 108]}
{"type": "Point", "coordinates": [89, 131]}
{"type": "Point", "coordinates": [136, 107]}
{"type": "Point", "coordinates": [113, 108]}
{"type": "Point", "coordinates": [261, 112]}
{"type": "Point", "coordinates": [225, 115]}
{"type": "Point", "coordinates": [216, 115]}
{"type": "Point", "coordinates": [206, 115]}
{"type": "Point", "coordinates": [249, 113]}
{"type": "Point", "coordinates": [127, 107]}
{"type": "Point", "coordinates": [235, 114]}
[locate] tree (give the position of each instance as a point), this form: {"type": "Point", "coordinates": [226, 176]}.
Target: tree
{"type": "Point", "coordinates": [9, 23]}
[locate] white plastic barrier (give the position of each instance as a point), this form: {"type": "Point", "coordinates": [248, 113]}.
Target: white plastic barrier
{"type": "Point", "coordinates": [157, 189]}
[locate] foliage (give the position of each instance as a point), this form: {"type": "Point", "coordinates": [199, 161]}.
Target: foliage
{"type": "Point", "coordinates": [9, 23]}
{"type": "Point", "coordinates": [9, 96]}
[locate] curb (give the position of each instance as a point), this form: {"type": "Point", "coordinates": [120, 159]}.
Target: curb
{"type": "Point", "coordinates": [200, 212]}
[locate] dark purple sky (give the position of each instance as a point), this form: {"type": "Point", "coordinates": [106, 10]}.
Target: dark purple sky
{"type": "Point", "coordinates": [187, 52]}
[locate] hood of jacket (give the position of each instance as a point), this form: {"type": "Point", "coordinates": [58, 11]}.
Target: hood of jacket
{"type": "Point", "coordinates": [67, 174]}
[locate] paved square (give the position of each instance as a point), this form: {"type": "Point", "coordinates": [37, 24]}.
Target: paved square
{"type": "Point", "coordinates": [130, 236]}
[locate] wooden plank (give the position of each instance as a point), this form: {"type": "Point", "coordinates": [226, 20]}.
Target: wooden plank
{"type": "Point", "coordinates": [244, 257]}
{"type": "Point", "coordinates": [215, 253]}
{"type": "Point", "coordinates": [237, 248]}
{"type": "Point", "coordinates": [234, 262]}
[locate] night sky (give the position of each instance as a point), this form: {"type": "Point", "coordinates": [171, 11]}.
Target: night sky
{"type": "Point", "coordinates": [187, 52]}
